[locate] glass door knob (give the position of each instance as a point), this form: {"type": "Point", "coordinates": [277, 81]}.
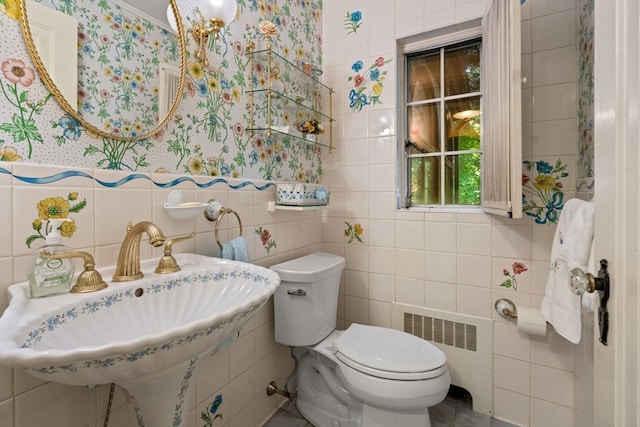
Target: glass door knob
{"type": "Point", "coordinates": [581, 282]}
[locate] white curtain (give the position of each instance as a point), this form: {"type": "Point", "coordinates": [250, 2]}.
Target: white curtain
{"type": "Point", "coordinates": [502, 110]}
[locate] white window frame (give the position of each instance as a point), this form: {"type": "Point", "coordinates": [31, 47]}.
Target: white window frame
{"type": "Point", "coordinates": [434, 40]}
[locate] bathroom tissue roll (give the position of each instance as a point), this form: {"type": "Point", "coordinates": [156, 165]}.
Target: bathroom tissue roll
{"type": "Point", "coordinates": [530, 321]}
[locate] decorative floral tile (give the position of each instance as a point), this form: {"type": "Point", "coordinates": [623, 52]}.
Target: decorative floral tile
{"type": "Point", "coordinates": [368, 83]}
{"type": "Point", "coordinates": [511, 280]}
{"type": "Point", "coordinates": [266, 239]}
{"type": "Point", "coordinates": [211, 413]}
{"type": "Point", "coordinates": [353, 21]}
{"type": "Point", "coordinates": [353, 232]}
{"type": "Point", "coordinates": [543, 190]}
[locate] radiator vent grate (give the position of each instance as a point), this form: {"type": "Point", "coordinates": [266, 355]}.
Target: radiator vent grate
{"type": "Point", "coordinates": [466, 340]}
{"type": "Point", "coordinates": [445, 332]}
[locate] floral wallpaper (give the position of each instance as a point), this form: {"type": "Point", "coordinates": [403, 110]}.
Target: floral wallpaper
{"type": "Point", "coordinates": [585, 94]}
{"type": "Point", "coordinates": [207, 136]}
{"type": "Point", "coordinates": [119, 54]}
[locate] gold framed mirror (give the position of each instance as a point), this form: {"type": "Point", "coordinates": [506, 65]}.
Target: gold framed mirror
{"type": "Point", "coordinates": [92, 128]}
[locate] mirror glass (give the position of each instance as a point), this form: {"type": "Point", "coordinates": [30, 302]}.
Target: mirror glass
{"type": "Point", "coordinates": [129, 65]}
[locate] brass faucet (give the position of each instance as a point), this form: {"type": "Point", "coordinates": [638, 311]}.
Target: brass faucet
{"type": "Point", "coordinates": [128, 267]}
{"type": "Point", "coordinates": [168, 263]}
{"type": "Point", "coordinates": [90, 280]}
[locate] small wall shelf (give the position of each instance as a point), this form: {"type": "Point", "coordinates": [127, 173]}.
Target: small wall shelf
{"type": "Point", "coordinates": [272, 207]}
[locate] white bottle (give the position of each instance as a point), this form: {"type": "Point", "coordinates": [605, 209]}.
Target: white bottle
{"type": "Point", "coordinates": [50, 275]}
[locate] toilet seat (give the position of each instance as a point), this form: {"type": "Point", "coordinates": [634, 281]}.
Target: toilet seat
{"type": "Point", "coordinates": [388, 353]}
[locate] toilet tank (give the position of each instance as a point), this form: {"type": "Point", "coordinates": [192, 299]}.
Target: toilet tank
{"type": "Point", "coordinates": [306, 302]}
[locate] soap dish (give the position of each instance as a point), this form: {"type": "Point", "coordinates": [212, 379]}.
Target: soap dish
{"type": "Point", "coordinates": [178, 208]}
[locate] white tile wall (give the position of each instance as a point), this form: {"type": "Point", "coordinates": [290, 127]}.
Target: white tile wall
{"type": "Point", "coordinates": [545, 413]}
{"type": "Point", "coordinates": [356, 283]}
{"type": "Point", "coordinates": [474, 301]}
{"type": "Point", "coordinates": [512, 374]}
{"type": "Point", "coordinates": [233, 371]}
{"type": "Point", "coordinates": [552, 385]}
{"type": "Point", "coordinates": [555, 66]}
{"type": "Point", "coordinates": [382, 287]}
{"type": "Point", "coordinates": [511, 407]}
{"type": "Point", "coordinates": [475, 270]}
{"type": "Point", "coordinates": [554, 137]}
{"type": "Point", "coordinates": [440, 296]}
{"type": "Point", "coordinates": [553, 31]}
{"type": "Point", "coordinates": [555, 102]}
{"type": "Point", "coordinates": [440, 237]}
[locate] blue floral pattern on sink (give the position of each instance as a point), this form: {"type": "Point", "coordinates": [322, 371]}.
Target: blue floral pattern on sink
{"type": "Point", "coordinates": [54, 322]}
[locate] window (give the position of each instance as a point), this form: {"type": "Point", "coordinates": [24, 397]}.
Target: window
{"type": "Point", "coordinates": [443, 134]}
{"type": "Point", "coordinates": [462, 121]}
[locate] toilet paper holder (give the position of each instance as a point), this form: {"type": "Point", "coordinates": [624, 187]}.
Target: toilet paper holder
{"type": "Point", "coordinates": [506, 308]}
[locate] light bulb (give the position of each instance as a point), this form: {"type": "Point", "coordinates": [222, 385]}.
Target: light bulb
{"type": "Point", "coordinates": [185, 8]}
{"type": "Point", "coordinates": [222, 10]}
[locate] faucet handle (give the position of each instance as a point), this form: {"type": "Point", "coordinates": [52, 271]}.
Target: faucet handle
{"type": "Point", "coordinates": [168, 263]}
{"type": "Point", "coordinates": [90, 280]}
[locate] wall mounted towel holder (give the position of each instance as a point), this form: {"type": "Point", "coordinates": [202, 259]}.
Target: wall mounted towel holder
{"type": "Point", "coordinates": [581, 282]}
{"type": "Point", "coordinates": [214, 212]}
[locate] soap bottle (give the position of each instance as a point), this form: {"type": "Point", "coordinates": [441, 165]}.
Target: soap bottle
{"type": "Point", "coordinates": [50, 275]}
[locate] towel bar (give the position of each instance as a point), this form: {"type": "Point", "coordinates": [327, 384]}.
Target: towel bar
{"type": "Point", "coordinates": [214, 212]}
{"type": "Point", "coordinates": [223, 213]}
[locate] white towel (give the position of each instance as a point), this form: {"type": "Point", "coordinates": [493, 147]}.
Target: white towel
{"type": "Point", "coordinates": [571, 249]}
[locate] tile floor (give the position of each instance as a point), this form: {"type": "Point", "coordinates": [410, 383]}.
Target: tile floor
{"type": "Point", "coordinates": [454, 411]}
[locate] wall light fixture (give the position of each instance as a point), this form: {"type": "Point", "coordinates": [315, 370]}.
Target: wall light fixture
{"type": "Point", "coordinates": [210, 17]}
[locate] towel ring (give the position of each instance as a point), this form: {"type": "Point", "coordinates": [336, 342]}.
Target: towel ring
{"type": "Point", "coordinates": [223, 212]}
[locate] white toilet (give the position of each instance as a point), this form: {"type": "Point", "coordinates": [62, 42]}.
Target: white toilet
{"type": "Point", "coordinates": [365, 376]}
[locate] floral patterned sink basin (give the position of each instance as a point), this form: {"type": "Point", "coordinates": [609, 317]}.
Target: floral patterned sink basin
{"type": "Point", "coordinates": [147, 334]}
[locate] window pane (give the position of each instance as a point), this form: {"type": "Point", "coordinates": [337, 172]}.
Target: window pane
{"type": "Point", "coordinates": [425, 180]}
{"type": "Point", "coordinates": [463, 124]}
{"type": "Point", "coordinates": [462, 179]}
{"type": "Point", "coordinates": [424, 77]}
{"type": "Point", "coordinates": [443, 124]}
{"type": "Point", "coordinates": [424, 127]}
{"type": "Point", "coordinates": [462, 69]}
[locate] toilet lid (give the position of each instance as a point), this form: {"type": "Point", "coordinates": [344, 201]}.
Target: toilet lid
{"type": "Point", "coordinates": [389, 353]}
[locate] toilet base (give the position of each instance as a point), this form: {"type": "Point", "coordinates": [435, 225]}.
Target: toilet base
{"type": "Point", "coordinates": [316, 401]}
{"type": "Point", "coordinates": [370, 417]}
{"type": "Point", "coordinates": [319, 417]}
{"type": "Point", "coordinates": [376, 417]}
{"type": "Point", "coordinates": [325, 403]}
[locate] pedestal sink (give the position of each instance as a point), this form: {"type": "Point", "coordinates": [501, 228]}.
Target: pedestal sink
{"type": "Point", "coordinates": [150, 336]}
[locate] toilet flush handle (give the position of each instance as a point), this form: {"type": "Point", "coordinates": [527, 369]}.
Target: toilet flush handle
{"type": "Point", "coordinates": [297, 293]}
